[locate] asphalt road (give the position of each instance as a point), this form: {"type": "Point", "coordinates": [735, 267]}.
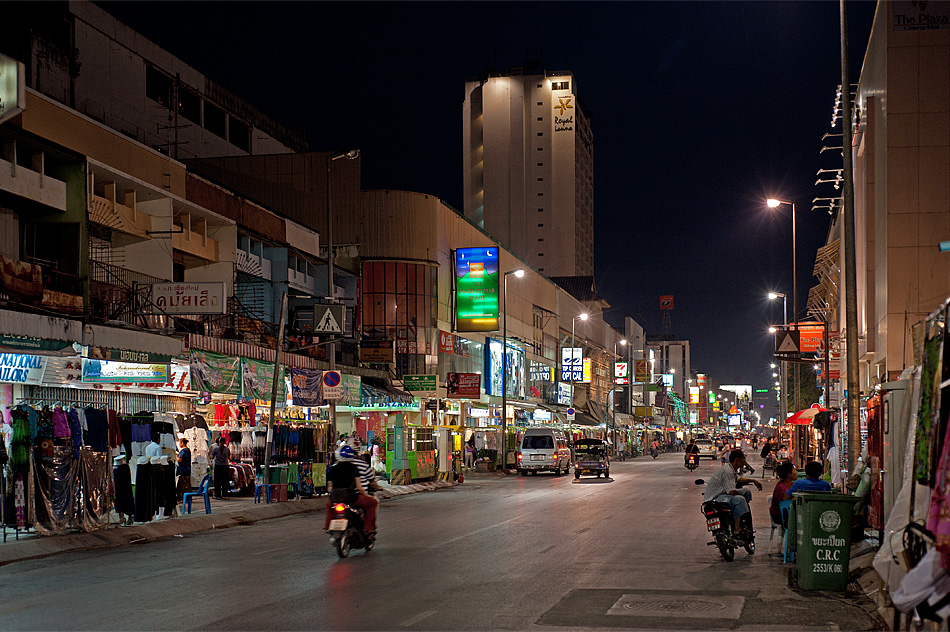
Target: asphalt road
{"type": "Point", "coordinates": [512, 553]}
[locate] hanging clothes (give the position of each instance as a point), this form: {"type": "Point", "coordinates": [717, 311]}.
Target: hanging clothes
{"type": "Point", "coordinates": [124, 497]}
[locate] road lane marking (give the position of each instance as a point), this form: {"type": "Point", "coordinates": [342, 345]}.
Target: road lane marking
{"type": "Point", "coordinates": [280, 548]}
{"type": "Point", "coordinates": [416, 619]}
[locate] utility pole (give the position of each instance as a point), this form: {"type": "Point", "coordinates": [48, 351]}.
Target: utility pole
{"type": "Point", "coordinates": [850, 266]}
{"type": "Point", "coordinates": [269, 442]}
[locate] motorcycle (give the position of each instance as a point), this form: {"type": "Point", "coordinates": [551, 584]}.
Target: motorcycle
{"type": "Point", "coordinates": [692, 461]}
{"type": "Point", "coordinates": [653, 452]}
{"type": "Point", "coordinates": [721, 524]}
{"type": "Point", "coordinates": [346, 529]}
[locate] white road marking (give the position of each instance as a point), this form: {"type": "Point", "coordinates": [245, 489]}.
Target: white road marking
{"type": "Point", "coordinates": [280, 548]}
{"type": "Point", "coordinates": [416, 619]}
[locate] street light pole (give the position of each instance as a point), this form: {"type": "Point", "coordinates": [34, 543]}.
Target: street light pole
{"type": "Point", "coordinates": [504, 367]}
{"type": "Point", "coordinates": [574, 319]}
{"type": "Point", "coordinates": [352, 154]}
{"type": "Point", "coordinates": [784, 408]}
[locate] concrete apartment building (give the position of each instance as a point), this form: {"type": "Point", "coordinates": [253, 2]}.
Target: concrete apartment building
{"type": "Point", "coordinates": [901, 153]}
{"type": "Point", "coordinates": [528, 168]}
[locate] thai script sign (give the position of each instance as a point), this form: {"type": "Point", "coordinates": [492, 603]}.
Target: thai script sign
{"type": "Point", "coordinates": [100, 371]}
{"type": "Point", "coordinates": [463, 385]}
{"type": "Point", "coordinates": [188, 298]}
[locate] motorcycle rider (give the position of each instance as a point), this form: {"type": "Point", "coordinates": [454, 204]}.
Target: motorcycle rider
{"type": "Point", "coordinates": [691, 448]}
{"type": "Point", "coordinates": [351, 478]}
{"type": "Point", "coordinates": [723, 487]}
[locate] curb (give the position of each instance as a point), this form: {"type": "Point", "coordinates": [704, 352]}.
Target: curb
{"type": "Point", "coordinates": [46, 546]}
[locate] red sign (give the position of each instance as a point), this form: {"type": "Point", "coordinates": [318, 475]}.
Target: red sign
{"type": "Point", "coordinates": [463, 385]}
{"type": "Point", "coordinates": [811, 337]}
{"type": "Point", "coordinates": [446, 342]}
{"type": "Point", "coordinates": [666, 302]}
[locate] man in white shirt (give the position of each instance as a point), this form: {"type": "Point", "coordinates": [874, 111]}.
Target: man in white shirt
{"type": "Point", "coordinates": [723, 487]}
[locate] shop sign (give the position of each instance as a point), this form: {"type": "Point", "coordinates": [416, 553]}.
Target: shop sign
{"type": "Point", "coordinates": [564, 393]}
{"type": "Point", "coordinates": [693, 394]}
{"type": "Point", "coordinates": [476, 289]}
{"type": "Point", "coordinates": [810, 336]}
{"type": "Point", "coordinates": [446, 342]}
{"type": "Point", "coordinates": [478, 412]}
{"type": "Point", "coordinates": [215, 373]}
{"type": "Point", "coordinates": [420, 383]}
{"type": "Point", "coordinates": [94, 352]}
{"type": "Point", "coordinates": [539, 372]}
{"type": "Point", "coordinates": [188, 298]}
{"type": "Point", "coordinates": [305, 387]}
{"type": "Point", "coordinates": [352, 390]}
{"type": "Point", "coordinates": [621, 373]}
{"type": "Point", "coordinates": [587, 371]}
{"type": "Point", "coordinates": [258, 377]}
{"type": "Point", "coordinates": [643, 411]}
{"type": "Point", "coordinates": [909, 15]}
{"type": "Point", "coordinates": [105, 371]}
{"type": "Point", "coordinates": [463, 385]}
{"type": "Point", "coordinates": [12, 87]}
{"type": "Point", "coordinates": [29, 343]}
{"type": "Point", "coordinates": [641, 371]}
{"type": "Point", "coordinates": [541, 414]}
{"type": "Point", "coordinates": [572, 364]}
{"type": "Point", "coordinates": [18, 368]}
{"type": "Point", "coordinates": [377, 351]}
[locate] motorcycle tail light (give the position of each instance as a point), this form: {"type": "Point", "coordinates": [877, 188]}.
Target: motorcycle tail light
{"type": "Point", "coordinates": [339, 507]}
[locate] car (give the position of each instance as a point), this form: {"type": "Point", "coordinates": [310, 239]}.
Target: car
{"type": "Point", "coordinates": [707, 448]}
{"type": "Point", "coordinates": [590, 457]}
{"type": "Point", "coordinates": [544, 449]}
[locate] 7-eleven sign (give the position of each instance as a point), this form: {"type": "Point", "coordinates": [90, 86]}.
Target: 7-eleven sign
{"type": "Point", "coordinates": [621, 373]}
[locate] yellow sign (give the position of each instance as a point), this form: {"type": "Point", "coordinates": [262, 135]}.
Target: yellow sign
{"type": "Point", "coordinates": [588, 371]}
{"type": "Point", "coordinates": [641, 370]}
{"type": "Point", "coordinates": [563, 104]}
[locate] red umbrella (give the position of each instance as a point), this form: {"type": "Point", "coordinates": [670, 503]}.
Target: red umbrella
{"type": "Point", "coordinates": [805, 417]}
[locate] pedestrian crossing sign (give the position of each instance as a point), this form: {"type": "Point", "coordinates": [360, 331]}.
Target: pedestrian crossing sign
{"type": "Point", "coordinates": [328, 319]}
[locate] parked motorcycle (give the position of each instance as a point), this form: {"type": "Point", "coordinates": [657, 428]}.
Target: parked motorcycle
{"type": "Point", "coordinates": [692, 461]}
{"type": "Point", "coordinates": [721, 524]}
{"type": "Point", "coordinates": [346, 529]}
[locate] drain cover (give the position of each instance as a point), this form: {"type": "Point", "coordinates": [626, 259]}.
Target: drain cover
{"type": "Point", "coordinates": [720, 607]}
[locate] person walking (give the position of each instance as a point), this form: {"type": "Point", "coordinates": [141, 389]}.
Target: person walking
{"type": "Point", "coordinates": [221, 458]}
{"type": "Point", "coordinates": [184, 469]}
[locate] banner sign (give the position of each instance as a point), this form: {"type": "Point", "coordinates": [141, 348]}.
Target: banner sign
{"type": "Point", "coordinates": [215, 373]}
{"type": "Point", "coordinates": [420, 383]}
{"type": "Point", "coordinates": [188, 298]}
{"type": "Point", "coordinates": [352, 391]}
{"type": "Point", "coordinates": [811, 337]}
{"type": "Point", "coordinates": [123, 355]}
{"type": "Point", "coordinates": [12, 87]}
{"type": "Point", "coordinates": [588, 371]}
{"type": "Point", "coordinates": [104, 371]}
{"type": "Point", "coordinates": [17, 368]}
{"type": "Point", "coordinates": [446, 342]}
{"type": "Point", "coordinates": [564, 393]}
{"type": "Point", "coordinates": [463, 385]}
{"type": "Point", "coordinates": [693, 394]}
{"type": "Point", "coordinates": [572, 364]}
{"type": "Point", "coordinates": [258, 380]}
{"type": "Point", "coordinates": [476, 289]}
{"type": "Point", "coordinates": [621, 373]}
{"type": "Point", "coordinates": [641, 370]}
{"type": "Point", "coordinates": [377, 352]}
{"type": "Point", "coordinates": [305, 387]}
{"type": "Point", "coordinates": [494, 367]}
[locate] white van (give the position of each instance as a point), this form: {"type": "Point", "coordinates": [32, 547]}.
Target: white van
{"type": "Point", "coordinates": [544, 449]}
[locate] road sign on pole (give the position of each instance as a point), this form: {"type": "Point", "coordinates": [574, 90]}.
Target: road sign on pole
{"type": "Point", "coordinates": [332, 385]}
{"type": "Point", "coordinates": [328, 319]}
{"type": "Point", "coordinates": [570, 414]}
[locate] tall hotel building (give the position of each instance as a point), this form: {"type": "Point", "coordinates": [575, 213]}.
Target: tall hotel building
{"type": "Point", "coordinates": [528, 169]}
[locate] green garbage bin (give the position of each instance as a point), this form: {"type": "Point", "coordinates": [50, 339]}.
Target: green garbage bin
{"type": "Point", "coordinates": [822, 539]}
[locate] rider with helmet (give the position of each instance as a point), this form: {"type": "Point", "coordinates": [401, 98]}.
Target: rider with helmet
{"type": "Point", "coordinates": [349, 481]}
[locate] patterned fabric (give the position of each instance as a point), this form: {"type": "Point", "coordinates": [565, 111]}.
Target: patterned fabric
{"type": "Point", "coordinates": [926, 456]}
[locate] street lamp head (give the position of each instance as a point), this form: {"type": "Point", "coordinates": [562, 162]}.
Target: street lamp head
{"type": "Point", "coordinates": [352, 154]}
{"type": "Point", "coordinates": [584, 316]}
{"type": "Point", "coordinates": [773, 295]}
{"type": "Point", "coordinates": [772, 202]}
{"type": "Point", "coordinates": [623, 342]}
{"type": "Point", "coordinates": [772, 330]}
{"type": "Point", "coordinates": [519, 273]}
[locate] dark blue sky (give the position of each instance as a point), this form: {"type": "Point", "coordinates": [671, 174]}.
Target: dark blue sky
{"type": "Point", "coordinates": [700, 110]}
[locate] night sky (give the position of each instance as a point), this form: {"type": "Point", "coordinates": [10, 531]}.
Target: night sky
{"type": "Point", "coordinates": [700, 111]}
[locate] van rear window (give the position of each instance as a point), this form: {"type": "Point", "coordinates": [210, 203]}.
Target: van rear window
{"type": "Point", "coordinates": [538, 442]}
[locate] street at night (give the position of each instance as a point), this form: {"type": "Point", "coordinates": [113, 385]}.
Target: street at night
{"type": "Point", "coordinates": [495, 553]}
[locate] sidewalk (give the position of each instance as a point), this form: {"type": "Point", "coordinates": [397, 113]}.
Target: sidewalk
{"type": "Point", "coordinates": [230, 513]}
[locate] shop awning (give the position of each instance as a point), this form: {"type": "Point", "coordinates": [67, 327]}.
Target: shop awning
{"type": "Point", "coordinates": [131, 340]}
{"type": "Point", "coordinates": [380, 394]}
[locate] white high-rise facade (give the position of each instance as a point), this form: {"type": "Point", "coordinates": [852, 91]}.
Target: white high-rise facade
{"type": "Point", "coordinates": [528, 169]}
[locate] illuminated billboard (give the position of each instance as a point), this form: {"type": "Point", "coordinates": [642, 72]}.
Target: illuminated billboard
{"type": "Point", "coordinates": [476, 289]}
{"type": "Point", "coordinates": [516, 369]}
{"type": "Point", "coordinates": [693, 394]}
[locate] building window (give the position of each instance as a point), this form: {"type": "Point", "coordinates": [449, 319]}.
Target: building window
{"type": "Point", "coordinates": [239, 134]}
{"type": "Point", "coordinates": [540, 210]}
{"type": "Point", "coordinates": [540, 118]}
{"type": "Point", "coordinates": [540, 194]}
{"type": "Point", "coordinates": [215, 120]}
{"type": "Point", "coordinates": [540, 148]}
{"type": "Point", "coordinates": [540, 179]}
{"type": "Point", "coordinates": [540, 164]}
{"type": "Point", "coordinates": [158, 87]}
{"type": "Point", "coordinates": [540, 238]}
{"type": "Point", "coordinates": [540, 269]}
{"type": "Point", "coordinates": [540, 254]}
{"type": "Point", "coordinates": [540, 225]}
{"type": "Point", "coordinates": [540, 102]}
{"type": "Point", "coordinates": [539, 134]}
{"type": "Point", "coordinates": [189, 106]}
{"type": "Point", "coordinates": [560, 85]}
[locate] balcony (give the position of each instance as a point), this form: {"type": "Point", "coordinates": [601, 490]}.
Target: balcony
{"type": "Point", "coordinates": [40, 285]}
{"type": "Point", "coordinates": [119, 217]}
{"type": "Point", "coordinates": [193, 238]}
{"type": "Point", "coordinates": [31, 184]}
{"type": "Point", "coordinates": [112, 295]}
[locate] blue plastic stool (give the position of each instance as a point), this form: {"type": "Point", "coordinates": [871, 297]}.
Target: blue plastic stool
{"type": "Point", "coordinates": [785, 506]}
{"type": "Point", "coordinates": [203, 490]}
